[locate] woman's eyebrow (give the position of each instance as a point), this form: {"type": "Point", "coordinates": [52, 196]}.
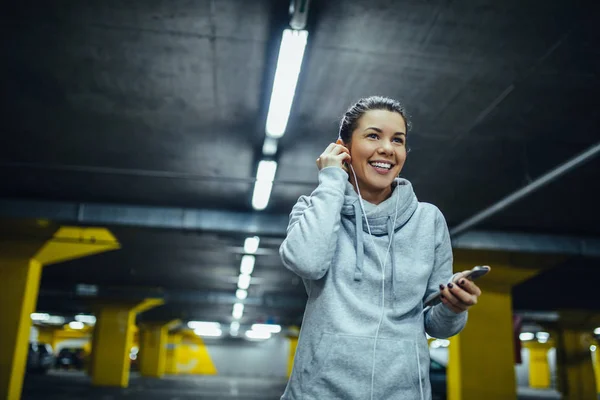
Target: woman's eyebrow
{"type": "Point", "coordinates": [380, 131]}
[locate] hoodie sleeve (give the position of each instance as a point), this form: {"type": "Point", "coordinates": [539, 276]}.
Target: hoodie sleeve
{"type": "Point", "coordinates": [314, 222]}
{"type": "Point", "coordinates": [440, 321]}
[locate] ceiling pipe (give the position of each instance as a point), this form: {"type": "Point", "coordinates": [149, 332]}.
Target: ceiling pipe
{"type": "Point", "coordinates": [548, 177]}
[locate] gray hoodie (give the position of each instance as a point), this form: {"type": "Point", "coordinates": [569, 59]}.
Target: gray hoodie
{"type": "Point", "coordinates": [346, 336]}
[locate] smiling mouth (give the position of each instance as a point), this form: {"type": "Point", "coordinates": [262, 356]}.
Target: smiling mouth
{"type": "Point", "coordinates": [382, 168]}
{"type": "Point", "coordinates": [381, 165]}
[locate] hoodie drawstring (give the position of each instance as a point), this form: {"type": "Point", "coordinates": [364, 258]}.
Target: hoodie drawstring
{"type": "Point", "coordinates": [390, 225]}
{"type": "Point", "coordinates": [360, 250]}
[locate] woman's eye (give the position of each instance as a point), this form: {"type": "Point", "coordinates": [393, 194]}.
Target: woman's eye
{"type": "Point", "coordinates": [373, 136]}
{"type": "Point", "coordinates": [399, 140]}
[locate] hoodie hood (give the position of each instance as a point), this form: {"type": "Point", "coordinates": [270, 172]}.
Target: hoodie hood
{"type": "Point", "coordinates": [378, 219]}
{"type": "Point", "coordinates": [386, 218]}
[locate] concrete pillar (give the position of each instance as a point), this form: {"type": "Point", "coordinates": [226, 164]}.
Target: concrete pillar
{"type": "Point", "coordinates": [293, 345]}
{"type": "Point", "coordinates": [539, 367]}
{"type": "Point", "coordinates": [173, 348]}
{"type": "Point", "coordinates": [113, 340]}
{"type": "Point", "coordinates": [153, 348]}
{"type": "Point", "coordinates": [20, 271]}
{"type": "Point", "coordinates": [576, 378]}
{"type": "Point", "coordinates": [482, 357]}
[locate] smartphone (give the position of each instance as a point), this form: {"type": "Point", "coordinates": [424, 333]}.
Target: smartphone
{"type": "Point", "coordinates": [475, 273]}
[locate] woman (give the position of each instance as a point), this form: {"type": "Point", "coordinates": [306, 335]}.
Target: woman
{"type": "Point", "coordinates": [367, 266]}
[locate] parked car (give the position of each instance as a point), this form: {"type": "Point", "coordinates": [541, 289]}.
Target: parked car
{"type": "Point", "coordinates": [69, 358]}
{"type": "Point", "coordinates": [39, 358]}
{"type": "Point", "coordinates": [438, 378]}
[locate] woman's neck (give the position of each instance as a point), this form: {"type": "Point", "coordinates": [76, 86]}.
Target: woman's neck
{"type": "Point", "coordinates": [375, 197]}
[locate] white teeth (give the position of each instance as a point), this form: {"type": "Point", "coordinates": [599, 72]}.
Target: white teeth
{"type": "Point", "coordinates": [381, 165]}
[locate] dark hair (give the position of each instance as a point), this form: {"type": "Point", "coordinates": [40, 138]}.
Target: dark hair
{"type": "Point", "coordinates": [354, 113]}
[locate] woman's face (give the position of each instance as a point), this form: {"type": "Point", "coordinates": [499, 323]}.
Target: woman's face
{"type": "Point", "coordinates": [378, 149]}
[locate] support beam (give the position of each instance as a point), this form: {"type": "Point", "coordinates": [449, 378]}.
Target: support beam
{"type": "Point", "coordinates": [539, 367]}
{"type": "Point", "coordinates": [113, 340]}
{"type": "Point", "coordinates": [266, 224]}
{"type": "Point", "coordinates": [173, 348]}
{"type": "Point", "coordinates": [153, 348]}
{"type": "Point", "coordinates": [525, 191]}
{"type": "Point", "coordinates": [21, 265]}
{"type": "Point", "coordinates": [575, 368]}
{"type": "Point", "coordinates": [489, 327]}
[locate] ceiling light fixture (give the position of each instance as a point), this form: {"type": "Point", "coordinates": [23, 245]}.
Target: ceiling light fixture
{"type": "Point", "coordinates": [289, 62]}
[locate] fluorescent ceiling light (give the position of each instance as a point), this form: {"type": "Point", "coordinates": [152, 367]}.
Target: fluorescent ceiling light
{"type": "Point", "coordinates": [208, 332]}
{"type": "Point", "coordinates": [264, 184]}
{"type": "Point", "coordinates": [257, 335]}
{"type": "Point", "coordinates": [289, 62]}
{"type": "Point", "coordinates": [40, 317]}
{"type": "Point", "coordinates": [247, 265]}
{"type": "Point", "coordinates": [526, 336]}
{"type": "Point", "coordinates": [542, 336]}
{"type": "Point", "coordinates": [76, 325]}
{"type": "Point", "coordinates": [261, 195]}
{"type": "Point", "coordinates": [271, 328]}
{"type": "Point", "coordinates": [203, 325]}
{"type": "Point", "coordinates": [243, 281]}
{"type": "Point", "coordinates": [55, 320]}
{"type": "Point", "coordinates": [269, 146]}
{"type": "Point", "coordinates": [241, 294]}
{"type": "Point", "coordinates": [86, 319]}
{"type": "Point", "coordinates": [238, 310]}
{"type": "Point", "coordinates": [266, 170]}
{"type": "Point", "coordinates": [234, 328]}
{"type": "Point", "coordinates": [597, 331]}
{"type": "Point", "coordinates": [593, 347]}
{"type": "Point", "coordinates": [251, 244]}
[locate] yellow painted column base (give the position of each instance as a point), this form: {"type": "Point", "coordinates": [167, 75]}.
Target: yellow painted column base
{"type": "Point", "coordinates": [481, 357]}
{"type": "Point", "coordinates": [173, 348]}
{"type": "Point", "coordinates": [19, 284]}
{"type": "Point", "coordinates": [113, 337]}
{"type": "Point", "coordinates": [293, 345]}
{"type": "Point", "coordinates": [153, 348]}
{"type": "Point", "coordinates": [576, 376]}
{"type": "Point", "coordinates": [113, 340]}
{"type": "Point", "coordinates": [539, 368]}
{"type": "Point", "coordinates": [20, 272]}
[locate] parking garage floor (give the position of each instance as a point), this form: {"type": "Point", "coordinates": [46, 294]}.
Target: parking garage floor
{"type": "Point", "coordinates": [75, 385]}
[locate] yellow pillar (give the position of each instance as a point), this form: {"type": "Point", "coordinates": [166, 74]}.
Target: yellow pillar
{"type": "Point", "coordinates": [293, 345]}
{"type": "Point", "coordinates": [597, 366]}
{"type": "Point", "coordinates": [173, 348]}
{"type": "Point", "coordinates": [481, 358]}
{"type": "Point", "coordinates": [153, 348]}
{"type": "Point", "coordinates": [539, 368]}
{"type": "Point", "coordinates": [20, 271]}
{"type": "Point", "coordinates": [113, 339]}
{"type": "Point", "coordinates": [576, 379]}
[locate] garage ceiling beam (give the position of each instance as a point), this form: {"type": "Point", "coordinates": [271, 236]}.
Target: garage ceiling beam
{"type": "Point", "coordinates": [263, 224]}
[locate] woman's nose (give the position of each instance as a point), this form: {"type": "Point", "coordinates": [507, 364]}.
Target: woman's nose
{"type": "Point", "coordinates": [386, 147]}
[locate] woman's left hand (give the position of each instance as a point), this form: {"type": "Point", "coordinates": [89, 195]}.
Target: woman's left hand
{"type": "Point", "coordinates": [461, 295]}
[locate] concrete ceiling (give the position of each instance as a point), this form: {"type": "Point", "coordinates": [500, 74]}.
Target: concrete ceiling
{"type": "Point", "coordinates": [163, 103]}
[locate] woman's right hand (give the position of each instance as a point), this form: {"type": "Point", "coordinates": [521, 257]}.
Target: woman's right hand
{"type": "Point", "coordinates": [334, 156]}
